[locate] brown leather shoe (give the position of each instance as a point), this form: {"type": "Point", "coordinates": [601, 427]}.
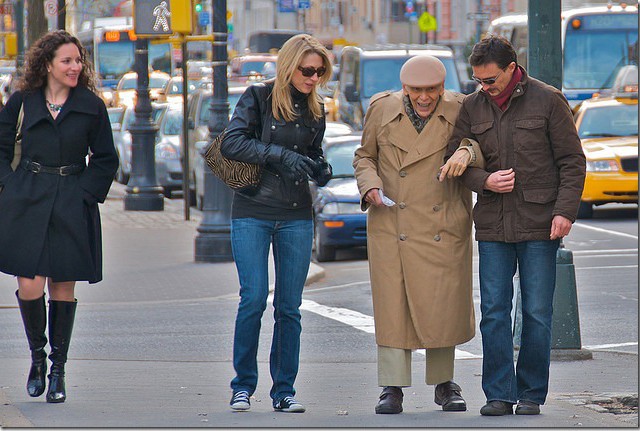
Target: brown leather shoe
{"type": "Point", "coordinates": [448, 395]}
{"type": "Point", "coordinates": [390, 400]}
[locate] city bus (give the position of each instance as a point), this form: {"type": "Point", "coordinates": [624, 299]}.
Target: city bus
{"type": "Point", "coordinates": [596, 43]}
{"type": "Point", "coordinates": [110, 45]}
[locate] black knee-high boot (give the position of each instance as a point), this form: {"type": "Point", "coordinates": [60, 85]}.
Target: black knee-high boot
{"type": "Point", "coordinates": [61, 317]}
{"type": "Point", "coordinates": [34, 317]}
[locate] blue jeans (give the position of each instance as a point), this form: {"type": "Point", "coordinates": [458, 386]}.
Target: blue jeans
{"type": "Point", "coordinates": [250, 241]}
{"type": "Point", "coordinates": [537, 263]}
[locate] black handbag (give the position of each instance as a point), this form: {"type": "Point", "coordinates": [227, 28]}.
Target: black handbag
{"type": "Point", "coordinates": [239, 176]}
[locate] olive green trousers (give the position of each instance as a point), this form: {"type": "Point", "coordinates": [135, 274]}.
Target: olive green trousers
{"type": "Point", "coordinates": [394, 366]}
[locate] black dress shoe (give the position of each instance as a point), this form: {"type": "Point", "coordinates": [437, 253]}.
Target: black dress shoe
{"type": "Point", "coordinates": [527, 408]}
{"type": "Point", "coordinates": [497, 408]}
{"type": "Point", "coordinates": [448, 396]}
{"type": "Point", "coordinates": [390, 400]}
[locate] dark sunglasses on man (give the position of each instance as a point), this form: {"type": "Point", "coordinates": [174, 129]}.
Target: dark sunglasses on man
{"type": "Point", "coordinates": [486, 81]}
{"type": "Point", "coordinates": [308, 72]}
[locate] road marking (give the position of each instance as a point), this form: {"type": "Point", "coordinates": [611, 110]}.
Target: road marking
{"type": "Point", "coordinates": [360, 321]}
{"type": "Point", "coordinates": [613, 232]}
{"type": "Point", "coordinates": [610, 346]}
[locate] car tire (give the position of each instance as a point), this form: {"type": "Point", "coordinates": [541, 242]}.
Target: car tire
{"type": "Point", "coordinates": [585, 210]}
{"type": "Point", "coordinates": [324, 253]}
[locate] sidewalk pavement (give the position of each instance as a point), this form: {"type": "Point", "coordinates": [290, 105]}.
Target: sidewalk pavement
{"type": "Point", "coordinates": [119, 393]}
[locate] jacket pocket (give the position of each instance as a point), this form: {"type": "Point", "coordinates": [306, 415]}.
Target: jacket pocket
{"type": "Point", "coordinates": [480, 128]}
{"type": "Point", "coordinates": [540, 195]}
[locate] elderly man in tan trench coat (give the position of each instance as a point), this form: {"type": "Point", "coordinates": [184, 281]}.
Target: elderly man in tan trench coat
{"type": "Point", "coordinates": [419, 245]}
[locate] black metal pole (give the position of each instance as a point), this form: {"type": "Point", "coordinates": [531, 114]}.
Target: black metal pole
{"type": "Point", "coordinates": [186, 173]}
{"type": "Point", "coordinates": [143, 192]}
{"type": "Point", "coordinates": [213, 242]}
{"type": "Point", "coordinates": [19, 11]}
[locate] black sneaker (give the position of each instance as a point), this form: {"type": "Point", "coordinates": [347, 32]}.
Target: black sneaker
{"type": "Point", "coordinates": [288, 405]}
{"type": "Point", "coordinates": [240, 401]}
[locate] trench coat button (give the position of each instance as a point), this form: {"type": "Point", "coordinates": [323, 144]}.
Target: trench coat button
{"type": "Point", "coordinates": [403, 174]}
{"type": "Point", "coordinates": [403, 237]}
{"type": "Point", "coordinates": [436, 208]}
{"type": "Point", "coordinates": [437, 238]}
{"type": "Point", "coordinates": [402, 205]}
{"type": "Point", "coordinates": [295, 204]}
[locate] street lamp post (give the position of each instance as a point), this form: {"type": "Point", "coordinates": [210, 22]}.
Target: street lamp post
{"type": "Point", "coordinates": [143, 192]}
{"type": "Point", "coordinates": [213, 242]}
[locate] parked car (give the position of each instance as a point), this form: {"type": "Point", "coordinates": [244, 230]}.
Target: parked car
{"type": "Point", "coordinates": [198, 120]}
{"type": "Point", "coordinates": [336, 128]}
{"type": "Point", "coordinates": [608, 128]}
{"type": "Point", "coordinates": [168, 154]}
{"type": "Point", "coordinates": [367, 70]}
{"type": "Point", "coordinates": [125, 94]}
{"type": "Point", "coordinates": [338, 219]}
{"type": "Point", "coordinates": [122, 138]}
{"type": "Point", "coordinates": [252, 68]}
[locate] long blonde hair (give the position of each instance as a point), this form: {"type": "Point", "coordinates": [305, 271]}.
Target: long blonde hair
{"type": "Point", "coordinates": [289, 58]}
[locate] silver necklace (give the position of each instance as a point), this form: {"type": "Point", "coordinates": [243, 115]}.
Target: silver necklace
{"type": "Point", "coordinates": [54, 107]}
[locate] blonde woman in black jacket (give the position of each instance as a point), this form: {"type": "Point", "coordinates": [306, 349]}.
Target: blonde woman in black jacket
{"type": "Point", "coordinates": [280, 125]}
{"type": "Point", "coordinates": [49, 222]}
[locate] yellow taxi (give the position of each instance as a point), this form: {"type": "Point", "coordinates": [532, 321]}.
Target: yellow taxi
{"type": "Point", "coordinates": [125, 94]}
{"type": "Point", "coordinates": [608, 128]}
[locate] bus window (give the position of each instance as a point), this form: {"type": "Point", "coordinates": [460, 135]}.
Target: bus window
{"type": "Point", "coordinates": [597, 49]}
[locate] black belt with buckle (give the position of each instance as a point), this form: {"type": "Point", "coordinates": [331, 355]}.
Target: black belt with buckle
{"type": "Point", "coordinates": [63, 171]}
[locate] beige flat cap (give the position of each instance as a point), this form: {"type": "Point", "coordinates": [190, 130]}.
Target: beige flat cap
{"type": "Point", "coordinates": [422, 71]}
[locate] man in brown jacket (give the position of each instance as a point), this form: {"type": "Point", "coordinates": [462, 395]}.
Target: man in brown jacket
{"type": "Point", "coordinates": [528, 197]}
{"type": "Point", "coordinates": [419, 245]}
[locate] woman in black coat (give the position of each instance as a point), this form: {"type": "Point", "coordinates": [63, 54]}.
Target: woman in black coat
{"type": "Point", "coordinates": [278, 124]}
{"type": "Point", "coordinates": [49, 221]}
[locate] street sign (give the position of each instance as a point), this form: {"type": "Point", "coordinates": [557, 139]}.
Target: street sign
{"type": "Point", "coordinates": [304, 4]}
{"type": "Point", "coordinates": [478, 16]}
{"type": "Point", "coordinates": [152, 17]}
{"type": "Point", "coordinates": [204, 18]}
{"type": "Point", "coordinates": [427, 22]}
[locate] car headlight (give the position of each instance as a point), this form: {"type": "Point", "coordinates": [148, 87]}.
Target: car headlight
{"type": "Point", "coordinates": [602, 166]}
{"type": "Point", "coordinates": [166, 151]}
{"type": "Point", "coordinates": [341, 208]}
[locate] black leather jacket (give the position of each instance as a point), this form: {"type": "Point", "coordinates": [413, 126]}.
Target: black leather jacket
{"type": "Point", "coordinates": [254, 136]}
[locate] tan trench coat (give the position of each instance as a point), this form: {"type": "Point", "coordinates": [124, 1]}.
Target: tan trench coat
{"type": "Point", "coordinates": [419, 250]}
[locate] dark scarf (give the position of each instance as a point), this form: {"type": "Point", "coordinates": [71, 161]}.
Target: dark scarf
{"type": "Point", "coordinates": [417, 121]}
{"type": "Point", "coordinates": [502, 99]}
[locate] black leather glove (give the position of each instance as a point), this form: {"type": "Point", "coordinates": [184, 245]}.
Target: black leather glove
{"type": "Point", "coordinates": [301, 166]}
{"type": "Point", "coordinates": [322, 172]}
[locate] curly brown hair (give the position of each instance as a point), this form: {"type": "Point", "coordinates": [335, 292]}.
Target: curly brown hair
{"type": "Point", "coordinates": [42, 52]}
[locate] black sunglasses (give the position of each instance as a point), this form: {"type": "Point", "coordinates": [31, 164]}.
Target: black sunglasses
{"type": "Point", "coordinates": [487, 81]}
{"type": "Point", "coordinates": [310, 71]}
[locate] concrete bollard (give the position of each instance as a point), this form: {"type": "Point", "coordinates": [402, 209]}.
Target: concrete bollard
{"type": "Point", "coordinates": [566, 344]}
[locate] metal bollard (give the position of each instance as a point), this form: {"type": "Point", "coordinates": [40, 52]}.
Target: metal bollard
{"type": "Point", "coordinates": [566, 344]}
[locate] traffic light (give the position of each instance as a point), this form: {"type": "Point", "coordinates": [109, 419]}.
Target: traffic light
{"type": "Point", "coordinates": [198, 7]}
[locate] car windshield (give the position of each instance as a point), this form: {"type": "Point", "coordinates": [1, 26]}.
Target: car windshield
{"type": "Point", "coordinates": [340, 157]}
{"type": "Point", "coordinates": [205, 111]}
{"type": "Point", "coordinates": [130, 116]}
{"type": "Point", "coordinates": [382, 74]}
{"type": "Point", "coordinates": [172, 122]}
{"type": "Point", "coordinates": [605, 121]}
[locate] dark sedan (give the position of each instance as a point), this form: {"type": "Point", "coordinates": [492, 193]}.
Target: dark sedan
{"type": "Point", "coordinates": [339, 221]}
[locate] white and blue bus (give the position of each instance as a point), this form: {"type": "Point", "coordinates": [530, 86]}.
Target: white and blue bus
{"type": "Point", "coordinates": [110, 44]}
{"type": "Point", "coordinates": [596, 43]}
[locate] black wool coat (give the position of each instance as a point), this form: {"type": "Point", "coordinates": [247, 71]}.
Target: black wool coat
{"type": "Point", "coordinates": [47, 217]}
